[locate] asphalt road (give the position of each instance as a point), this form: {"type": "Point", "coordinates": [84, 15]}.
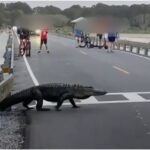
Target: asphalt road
{"type": "Point", "coordinates": [105, 125]}
{"type": "Point", "coordinates": [116, 72]}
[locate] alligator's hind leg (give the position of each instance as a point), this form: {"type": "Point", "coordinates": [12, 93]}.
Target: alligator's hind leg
{"type": "Point", "coordinates": [60, 102]}
{"type": "Point", "coordinates": [73, 103]}
{"type": "Point", "coordinates": [26, 103]}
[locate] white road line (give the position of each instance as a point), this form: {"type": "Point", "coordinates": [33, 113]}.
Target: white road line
{"type": "Point", "coordinates": [88, 102]}
{"type": "Point", "coordinates": [129, 53]}
{"type": "Point", "coordinates": [121, 70]}
{"type": "Point", "coordinates": [84, 53]}
{"type": "Point", "coordinates": [29, 68]}
{"type": "Point", "coordinates": [35, 81]}
{"type": "Point", "coordinates": [121, 93]}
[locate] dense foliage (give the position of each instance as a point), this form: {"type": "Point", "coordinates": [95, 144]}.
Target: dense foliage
{"type": "Point", "coordinates": [136, 15]}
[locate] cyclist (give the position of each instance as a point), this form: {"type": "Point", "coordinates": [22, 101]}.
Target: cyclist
{"type": "Point", "coordinates": [44, 40]}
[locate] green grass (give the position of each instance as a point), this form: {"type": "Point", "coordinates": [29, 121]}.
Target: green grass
{"type": "Point", "coordinates": [137, 30]}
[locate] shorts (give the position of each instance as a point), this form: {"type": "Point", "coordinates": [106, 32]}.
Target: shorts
{"type": "Point", "coordinates": [111, 39]}
{"type": "Point", "coordinates": [43, 41]}
{"type": "Point", "coordinates": [78, 39]}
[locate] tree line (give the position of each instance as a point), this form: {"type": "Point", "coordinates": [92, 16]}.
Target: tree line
{"type": "Point", "coordinates": [134, 15]}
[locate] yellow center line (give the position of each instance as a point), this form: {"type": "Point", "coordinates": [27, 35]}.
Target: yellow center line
{"type": "Point", "coordinates": [121, 70]}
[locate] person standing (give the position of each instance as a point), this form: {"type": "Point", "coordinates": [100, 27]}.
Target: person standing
{"type": "Point", "coordinates": [111, 40]}
{"type": "Point", "coordinates": [78, 37]}
{"type": "Point", "coordinates": [44, 40]}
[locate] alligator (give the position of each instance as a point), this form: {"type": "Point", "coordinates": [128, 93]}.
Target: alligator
{"type": "Point", "coordinates": [53, 92]}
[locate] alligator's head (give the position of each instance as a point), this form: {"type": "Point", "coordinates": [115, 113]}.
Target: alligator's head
{"type": "Point", "coordinates": [85, 92]}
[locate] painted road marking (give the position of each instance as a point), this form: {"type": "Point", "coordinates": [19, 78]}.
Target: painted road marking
{"type": "Point", "coordinates": [84, 53]}
{"type": "Point", "coordinates": [133, 96]}
{"type": "Point", "coordinates": [35, 81]}
{"type": "Point", "coordinates": [121, 70]}
{"type": "Point", "coordinates": [29, 68]}
{"type": "Point", "coordinates": [129, 53]}
{"type": "Point", "coordinates": [88, 102]}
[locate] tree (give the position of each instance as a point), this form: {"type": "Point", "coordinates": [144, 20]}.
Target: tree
{"type": "Point", "coordinates": [19, 6]}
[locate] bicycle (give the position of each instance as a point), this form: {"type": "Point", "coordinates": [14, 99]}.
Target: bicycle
{"type": "Point", "coordinates": [85, 42]}
{"type": "Point", "coordinates": [25, 47]}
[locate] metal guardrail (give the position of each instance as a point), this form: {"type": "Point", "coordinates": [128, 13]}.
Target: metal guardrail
{"type": "Point", "coordinates": [7, 67]}
{"type": "Point", "coordinates": [134, 47]}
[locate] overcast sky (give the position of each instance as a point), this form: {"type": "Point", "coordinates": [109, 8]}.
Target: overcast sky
{"type": "Point", "coordinates": [67, 3]}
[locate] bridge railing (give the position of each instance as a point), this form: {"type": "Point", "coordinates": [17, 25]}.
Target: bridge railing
{"type": "Point", "coordinates": [134, 47]}
{"type": "Point", "coordinates": [7, 69]}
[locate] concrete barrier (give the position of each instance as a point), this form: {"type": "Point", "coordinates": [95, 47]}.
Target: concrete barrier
{"type": "Point", "coordinates": [130, 46]}
{"type": "Point", "coordinates": [7, 83]}
{"type": "Point", "coordinates": [7, 67]}
{"type": "Point", "coordinates": [5, 87]}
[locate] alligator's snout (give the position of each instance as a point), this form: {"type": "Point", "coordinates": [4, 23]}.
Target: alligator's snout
{"type": "Point", "coordinates": [99, 92]}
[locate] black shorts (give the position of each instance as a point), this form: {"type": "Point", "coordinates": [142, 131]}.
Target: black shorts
{"type": "Point", "coordinates": [111, 39]}
{"type": "Point", "coordinates": [44, 41]}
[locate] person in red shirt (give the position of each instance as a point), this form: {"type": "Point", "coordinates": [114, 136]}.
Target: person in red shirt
{"type": "Point", "coordinates": [44, 40]}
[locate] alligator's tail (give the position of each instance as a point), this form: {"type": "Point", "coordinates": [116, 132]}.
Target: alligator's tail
{"type": "Point", "coordinates": [12, 100]}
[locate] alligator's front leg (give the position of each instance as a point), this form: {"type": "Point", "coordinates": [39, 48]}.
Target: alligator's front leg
{"type": "Point", "coordinates": [73, 103]}
{"type": "Point", "coordinates": [39, 105]}
{"type": "Point", "coordinates": [38, 96]}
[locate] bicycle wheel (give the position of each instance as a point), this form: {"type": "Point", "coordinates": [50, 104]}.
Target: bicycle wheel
{"type": "Point", "coordinates": [28, 49]}
{"type": "Point", "coordinates": [83, 44]}
{"type": "Point", "coordinates": [89, 45]}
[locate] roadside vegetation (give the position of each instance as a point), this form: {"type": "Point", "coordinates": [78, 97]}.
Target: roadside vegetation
{"type": "Point", "coordinates": [136, 17]}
